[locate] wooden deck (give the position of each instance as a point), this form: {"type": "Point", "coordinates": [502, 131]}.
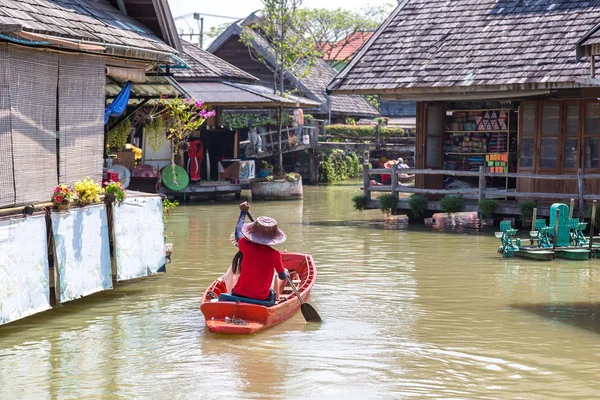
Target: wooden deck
{"type": "Point", "coordinates": [209, 189]}
{"type": "Point", "coordinates": [507, 199]}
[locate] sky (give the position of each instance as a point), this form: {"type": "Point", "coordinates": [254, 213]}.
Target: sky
{"type": "Point", "coordinates": [242, 8]}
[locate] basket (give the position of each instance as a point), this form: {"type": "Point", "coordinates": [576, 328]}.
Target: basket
{"type": "Point", "coordinates": [64, 206]}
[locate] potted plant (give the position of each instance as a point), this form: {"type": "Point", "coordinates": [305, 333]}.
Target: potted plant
{"type": "Point", "coordinates": [266, 169]}
{"type": "Point", "coordinates": [63, 197]}
{"type": "Point", "coordinates": [114, 193]}
{"type": "Point", "coordinates": [88, 192]}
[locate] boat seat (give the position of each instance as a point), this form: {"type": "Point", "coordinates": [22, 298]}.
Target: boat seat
{"type": "Point", "coordinates": [233, 299]}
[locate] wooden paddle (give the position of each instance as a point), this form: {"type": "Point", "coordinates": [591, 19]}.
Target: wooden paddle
{"type": "Point", "coordinates": [308, 311]}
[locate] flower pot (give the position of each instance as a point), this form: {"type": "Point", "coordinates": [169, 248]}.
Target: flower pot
{"type": "Point", "coordinates": [109, 198]}
{"type": "Point", "coordinates": [64, 206]}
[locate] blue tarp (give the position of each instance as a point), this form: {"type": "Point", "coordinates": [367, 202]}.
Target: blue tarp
{"type": "Point", "coordinates": [119, 104]}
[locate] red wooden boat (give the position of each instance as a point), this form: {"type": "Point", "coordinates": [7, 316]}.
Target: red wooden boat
{"type": "Point", "coordinates": [244, 318]}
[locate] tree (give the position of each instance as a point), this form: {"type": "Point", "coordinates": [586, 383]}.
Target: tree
{"type": "Point", "coordinates": [334, 31]}
{"type": "Point", "coordinates": [287, 49]}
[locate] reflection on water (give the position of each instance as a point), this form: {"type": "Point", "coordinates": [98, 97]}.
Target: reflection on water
{"type": "Point", "coordinates": [408, 312]}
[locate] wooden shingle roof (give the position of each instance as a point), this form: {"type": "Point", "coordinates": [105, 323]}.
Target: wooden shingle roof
{"type": "Point", "coordinates": [89, 21]}
{"type": "Point", "coordinates": [205, 66]}
{"type": "Point", "coordinates": [312, 86]}
{"type": "Point", "coordinates": [474, 45]}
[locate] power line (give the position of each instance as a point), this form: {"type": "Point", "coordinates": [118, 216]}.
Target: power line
{"type": "Point", "coordinates": [205, 15]}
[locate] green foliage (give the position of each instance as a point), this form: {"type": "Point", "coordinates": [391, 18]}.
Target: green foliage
{"type": "Point", "coordinates": [487, 207]}
{"type": "Point", "coordinates": [526, 210]}
{"type": "Point", "coordinates": [350, 121]}
{"type": "Point", "coordinates": [337, 166]}
{"type": "Point", "coordinates": [156, 131]}
{"type": "Point", "coordinates": [333, 30]}
{"type": "Point", "coordinates": [167, 206]}
{"type": "Point", "coordinates": [451, 204]}
{"type": "Point", "coordinates": [266, 165]}
{"type": "Point", "coordinates": [418, 204]}
{"type": "Point", "coordinates": [117, 137]}
{"type": "Point", "coordinates": [387, 203]}
{"type": "Point", "coordinates": [116, 191]}
{"type": "Point", "coordinates": [363, 131]}
{"type": "Point", "coordinates": [240, 121]}
{"type": "Point", "coordinates": [292, 177]}
{"type": "Point", "coordinates": [216, 31]}
{"type": "Point", "coordinates": [291, 49]}
{"type": "Point", "coordinates": [373, 100]}
{"type": "Point", "coordinates": [360, 202]}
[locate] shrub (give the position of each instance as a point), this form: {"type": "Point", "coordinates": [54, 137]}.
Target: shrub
{"type": "Point", "coordinates": [451, 204]}
{"type": "Point", "coordinates": [526, 209]}
{"type": "Point", "coordinates": [418, 204]}
{"type": "Point", "coordinates": [363, 131]}
{"type": "Point", "coordinates": [487, 207]}
{"type": "Point", "coordinates": [360, 202]}
{"type": "Point", "coordinates": [387, 203]}
{"type": "Point", "coordinates": [338, 166]}
{"type": "Point", "coordinates": [292, 177]}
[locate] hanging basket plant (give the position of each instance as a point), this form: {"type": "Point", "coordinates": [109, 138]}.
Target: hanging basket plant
{"type": "Point", "coordinates": [156, 132]}
{"type": "Point", "coordinates": [114, 193]}
{"type": "Point", "coordinates": [117, 137]}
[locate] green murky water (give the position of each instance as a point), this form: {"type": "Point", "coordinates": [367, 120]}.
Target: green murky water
{"type": "Point", "coordinates": [408, 313]}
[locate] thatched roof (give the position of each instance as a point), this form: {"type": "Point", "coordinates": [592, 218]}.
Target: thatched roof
{"type": "Point", "coordinates": [440, 46]}
{"type": "Point", "coordinates": [312, 86]}
{"type": "Point", "coordinates": [84, 25]}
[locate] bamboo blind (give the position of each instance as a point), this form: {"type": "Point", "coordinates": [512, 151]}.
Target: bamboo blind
{"type": "Point", "coordinates": [32, 78]}
{"type": "Point", "coordinates": [7, 182]}
{"type": "Point", "coordinates": [81, 86]}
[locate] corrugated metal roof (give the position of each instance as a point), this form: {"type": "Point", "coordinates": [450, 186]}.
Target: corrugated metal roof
{"type": "Point", "coordinates": [237, 94]}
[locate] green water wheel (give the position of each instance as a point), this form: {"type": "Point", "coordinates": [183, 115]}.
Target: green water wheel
{"type": "Point", "coordinates": [175, 178]}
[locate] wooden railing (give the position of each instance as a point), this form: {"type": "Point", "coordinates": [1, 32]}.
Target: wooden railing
{"type": "Point", "coordinates": [482, 190]}
{"type": "Point", "coordinates": [268, 140]}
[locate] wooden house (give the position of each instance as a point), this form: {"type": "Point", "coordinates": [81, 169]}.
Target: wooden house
{"type": "Point", "coordinates": [56, 58]}
{"type": "Point", "coordinates": [229, 48]}
{"type": "Point", "coordinates": [507, 85]}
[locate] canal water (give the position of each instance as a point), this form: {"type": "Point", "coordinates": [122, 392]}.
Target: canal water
{"type": "Point", "coordinates": [408, 313]}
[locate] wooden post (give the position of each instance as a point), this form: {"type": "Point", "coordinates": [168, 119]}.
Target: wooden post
{"type": "Point", "coordinates": [313, 166]}
{"type": "Point", "coordinates": [482, 183]}
{"type": "Point", "coordinates": [366, 157]}
{"type": "Point", "coordinates": [111, 240]}
{"type": "Point", "coordinates": [377, 136]}
{"type": "Point", "coordinates": [366, 181]}
{"type": "Point", "coordinates": [571, 208]}
{"type": "Point", "coordinates": [555, 231]}
{"type": "Point", "coordinates": [592, 223]}
{"type": "Point", "coordinates": [533, 218]}
{"type": "Point", "coordinates": [593, 66]}
{"type": "Point", "coordinates": [52, 259]}
{"type": "Point", "coordinates": [395, 181]}
{"type": "Point", "coordinates": [581, 188]}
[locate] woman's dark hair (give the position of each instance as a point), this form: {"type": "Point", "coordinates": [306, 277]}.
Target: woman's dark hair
{"type": "Point", "coordinates": [236, 264]}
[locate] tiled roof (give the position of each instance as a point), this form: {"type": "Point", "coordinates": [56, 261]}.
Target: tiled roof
{"type": "Point", "coordinates": [346, 48]}
{"type": "Point", "coordinates": [86, 20]}
{"type": "Point", "coordinates": [205, 66]}
{"type": "Point", "coordinates": [314, 85]}
{"type": "Point", "coordinates": [441, 44]}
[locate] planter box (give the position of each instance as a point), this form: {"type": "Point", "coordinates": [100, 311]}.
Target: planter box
{"type": "Point", "coordinates": [279, 189]}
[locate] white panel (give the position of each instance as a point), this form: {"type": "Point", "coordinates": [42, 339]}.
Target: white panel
{"type": "Point", "coordinates": [82, 251]}
{"type": "Point", "coordinates": [24, 275]}
{"type": "Point", "coordinates": [139, 237]}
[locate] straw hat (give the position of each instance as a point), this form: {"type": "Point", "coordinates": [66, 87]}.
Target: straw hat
{"type": "Point", "coordinates": [264, 231]}
{"type": "Point", "coordinates": [390, 163]}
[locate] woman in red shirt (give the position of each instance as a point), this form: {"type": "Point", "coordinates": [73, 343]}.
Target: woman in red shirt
{"type": "Point", "coordinates": [259, 258]}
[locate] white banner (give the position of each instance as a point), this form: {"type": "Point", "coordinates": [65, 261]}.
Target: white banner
{"type": "Point", "coordinates": [82, 251]}
{"type": "Point", "coordinates": [139, 237]}
{"type": "Point", "coordinates": [24, 275]}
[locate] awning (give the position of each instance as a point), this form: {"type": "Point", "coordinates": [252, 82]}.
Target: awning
{"type": "Point", "coordinates": [238, 95]}
{"type": "Point", "coordinates": [152, 89]}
